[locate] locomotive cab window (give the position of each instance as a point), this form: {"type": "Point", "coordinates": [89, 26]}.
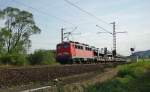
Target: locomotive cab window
{"type": "Point", "coordinates": [66, 45]}
{"type": "Point", "coordinates": [88, 49]}
{"type": "Point", "coordinates": [78, 47]}
{"type": "Point", "coordinates": [82, 47]}
{"type": "Point", "coordinates": [58, 46]}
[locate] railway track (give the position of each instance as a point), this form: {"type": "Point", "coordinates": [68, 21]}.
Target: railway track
{"type": "Point", "coordinates": [23, 76]}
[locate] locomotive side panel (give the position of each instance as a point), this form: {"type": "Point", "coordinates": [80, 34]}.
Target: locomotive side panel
{"type": "Point", "coordinates": [82, 53]}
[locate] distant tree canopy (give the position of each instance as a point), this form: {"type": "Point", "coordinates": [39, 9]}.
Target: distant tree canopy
{"type": "Point", "coordinates": [18, 27]}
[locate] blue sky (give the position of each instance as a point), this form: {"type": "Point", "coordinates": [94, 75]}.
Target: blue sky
{"type": "Point", "coordinates": [130, 15]}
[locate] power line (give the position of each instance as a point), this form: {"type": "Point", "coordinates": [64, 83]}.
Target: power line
{"type": "Point", "coordinates": [42, 12]}
{"type": "Point", "coordinates": [1, 3]}
{"type": "Point", "coordinates": [4, 3]}
{"type": "Point", "coordinates": [90, 14]}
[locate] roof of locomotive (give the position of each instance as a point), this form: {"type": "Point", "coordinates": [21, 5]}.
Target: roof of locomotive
{"type": "Point", "coordinates": [78, 43]}
{"type": "Point", "coordinates": [74, 42]}
{"type": "Point", "coordinates": [93, 47]}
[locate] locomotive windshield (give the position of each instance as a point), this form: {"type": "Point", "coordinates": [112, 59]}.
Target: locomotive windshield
{"type": "Point", "coordinates": [58, 46]}
{"type": "Point", "coordinates": [65, 45]}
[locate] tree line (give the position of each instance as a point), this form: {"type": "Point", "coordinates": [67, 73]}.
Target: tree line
{"type": "Point", "coordinates": [18, 26]}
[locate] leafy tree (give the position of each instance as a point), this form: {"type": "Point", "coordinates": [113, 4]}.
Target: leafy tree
{"type": "Point", "coordinates": [19, 26]}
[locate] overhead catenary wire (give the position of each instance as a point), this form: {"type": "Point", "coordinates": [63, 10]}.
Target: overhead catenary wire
{"type": "Point", "coordinates": [4, 3]}
{"type": "Point", "coordinates": [1, 3]}
{"type": "Point", "coordinates": [104, 29]}
{"type": "Point", "coordinates": [44, 13]}
{"type": "Point", "coordinates": [44, 18]}
{"type": "Point", "coordinates": [88, 13]}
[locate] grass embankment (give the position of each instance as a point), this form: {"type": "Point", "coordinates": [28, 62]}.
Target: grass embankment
{"type": "Point", "coordinates": [133, 77]}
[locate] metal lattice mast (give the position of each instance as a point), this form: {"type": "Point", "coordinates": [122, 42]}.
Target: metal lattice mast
{"type": "Point", "coordinates": [114, 37]}
{"type": "Point", "coordinates": [114, 52]}
{"type": "Point", "coordinates": [62, 34]}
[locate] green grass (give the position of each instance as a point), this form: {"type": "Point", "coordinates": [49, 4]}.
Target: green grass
{"type": "Point", "coordinates": [131, 78]}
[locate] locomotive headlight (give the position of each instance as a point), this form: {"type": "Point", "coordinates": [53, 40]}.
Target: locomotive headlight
{"type": "Point", "coordinates": [65, 53]}
{"type": "Point", "coordinates": [59, 54]}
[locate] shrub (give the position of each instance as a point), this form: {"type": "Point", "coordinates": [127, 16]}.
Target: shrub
{"type": "Point", "coordinates": [130, 78]}
{"type": "Point", "coordinates": [126, 79]}
{"type": "Point", "coordinates": [108, 86]}
{"type": "Point", "coordinates": [43, 57]}
{"type": "Point", "coordinates": [13, 59]}
{"type": "Point", "coordinates": [134, 69]}
{"type": "Point", "coordinates": [124, 70]}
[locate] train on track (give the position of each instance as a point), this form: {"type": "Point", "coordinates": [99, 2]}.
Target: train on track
{"type": "Point", "coordinates": [70, 52]}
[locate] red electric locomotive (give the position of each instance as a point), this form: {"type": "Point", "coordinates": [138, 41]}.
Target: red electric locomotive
{"type": "Point", "coordinates": [74, 52]}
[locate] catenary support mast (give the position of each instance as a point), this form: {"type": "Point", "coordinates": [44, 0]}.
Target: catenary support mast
{"type": "Point", "coordinates": [114, 38]}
